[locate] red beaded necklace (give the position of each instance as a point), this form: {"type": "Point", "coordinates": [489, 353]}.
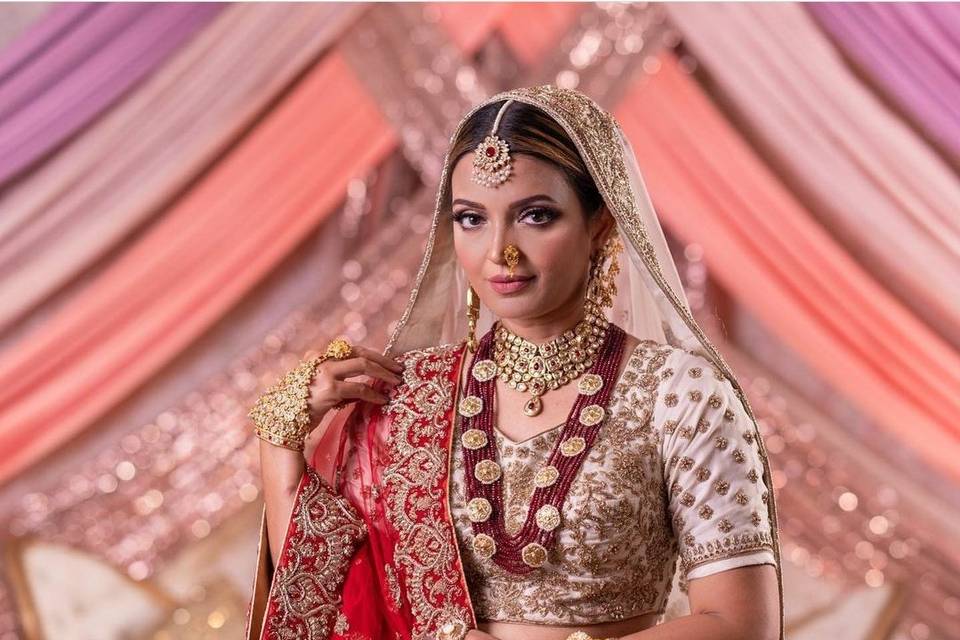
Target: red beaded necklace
{"type": "Point", "coordinates": [527, 549]}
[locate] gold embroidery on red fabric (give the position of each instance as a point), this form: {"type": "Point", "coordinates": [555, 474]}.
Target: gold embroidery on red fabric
{"type": "Point", "coordinates": [325, 530]}
{"type": "Point", "coordinates": [393, 586]}
{"type": "Point", "coordinates": [419, 414]}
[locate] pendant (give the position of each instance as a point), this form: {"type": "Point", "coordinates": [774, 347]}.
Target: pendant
{"type": "Point", "coordinates": [533, 406]}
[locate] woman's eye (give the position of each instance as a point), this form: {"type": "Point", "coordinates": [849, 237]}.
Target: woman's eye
{"type": "Point", "coordinates": [463, 215]}
{"type": "Point", "coordinates": [538, 216]}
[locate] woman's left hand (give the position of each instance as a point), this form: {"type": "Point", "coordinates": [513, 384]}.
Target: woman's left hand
{"type": "Point", "coordinates": [476, 634]}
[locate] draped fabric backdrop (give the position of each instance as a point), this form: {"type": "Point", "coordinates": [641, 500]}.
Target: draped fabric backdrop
{"type": "Point", "coordinates": [194, 194]}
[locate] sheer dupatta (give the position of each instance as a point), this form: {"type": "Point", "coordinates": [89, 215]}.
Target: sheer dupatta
{"type": "Point", "coordinates": [650, 302]}
{"type": "Point", "coordinates": [372, 551]}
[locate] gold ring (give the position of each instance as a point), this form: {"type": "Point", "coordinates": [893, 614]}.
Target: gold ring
{"type": "Point", "coordinates": [339, 349]}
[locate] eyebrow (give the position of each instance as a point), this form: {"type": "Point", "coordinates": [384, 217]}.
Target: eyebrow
{"type": "Point", "coordinates": [515, 205]}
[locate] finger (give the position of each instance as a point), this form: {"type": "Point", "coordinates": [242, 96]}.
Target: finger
{"type": "Point", "coordinates": [359, 391]}
{"type": "Point", "coordinates": [378, 357]}
{"type": "Point", "coordinates": [360, 365]}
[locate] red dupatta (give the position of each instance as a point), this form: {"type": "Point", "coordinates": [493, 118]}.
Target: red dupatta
{"type": "Point", "coordinates": [377, 558]}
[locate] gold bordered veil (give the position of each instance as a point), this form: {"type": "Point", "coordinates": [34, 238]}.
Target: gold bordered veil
{"type": "Point", "coordinates": [650, 301]}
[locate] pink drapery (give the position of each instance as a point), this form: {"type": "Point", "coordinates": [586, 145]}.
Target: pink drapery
{"type": "Point", "coordinates": [126, 166]}
{"type": "Point", "coordinates": [192, 266]}
{"type": "Point", "coordinates": [530, 29]}
{"type": "Point", "coordinates": [866, 175]}
{"type": "Point", "coordinates": [769, 254]}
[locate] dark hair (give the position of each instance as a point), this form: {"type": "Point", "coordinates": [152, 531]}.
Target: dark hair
{"type": "Point", "coordinates": [529, 130]}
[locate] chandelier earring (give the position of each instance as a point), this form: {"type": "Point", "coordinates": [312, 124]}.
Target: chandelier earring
{"type": "Point", "coordinates": [473, 314]}
{"type": "Point", "coordinates": [602, 287]}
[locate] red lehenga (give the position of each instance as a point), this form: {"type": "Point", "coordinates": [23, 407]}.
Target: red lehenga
{"type": "Point", "coordinates": [378, 557]}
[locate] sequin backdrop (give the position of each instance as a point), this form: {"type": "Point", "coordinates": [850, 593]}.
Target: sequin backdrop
{"type": "Point", "coordinates": [150, 291]}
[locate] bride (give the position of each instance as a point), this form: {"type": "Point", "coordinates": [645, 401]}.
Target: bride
{"type": "Point", "coordinates": [548, 438]}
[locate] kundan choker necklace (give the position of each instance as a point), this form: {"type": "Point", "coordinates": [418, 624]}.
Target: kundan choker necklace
{"type": "Point", "coordinates": [527, 549]}
{"type": "Point", "coordinates": [526, 366]}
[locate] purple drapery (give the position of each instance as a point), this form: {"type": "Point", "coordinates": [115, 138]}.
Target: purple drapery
{"type": "Point", "coordinates": [75, 63]}
{"type": "Point", "coordinates": [912, 50]}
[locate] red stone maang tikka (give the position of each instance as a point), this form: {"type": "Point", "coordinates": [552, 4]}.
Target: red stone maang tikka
{"type": "Point", "coordinates": [491, 159]}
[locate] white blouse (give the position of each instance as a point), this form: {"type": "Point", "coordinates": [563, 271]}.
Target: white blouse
{"type": "Point", "coordinates": [674, 475]}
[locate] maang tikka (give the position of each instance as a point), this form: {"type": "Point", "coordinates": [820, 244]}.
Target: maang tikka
{"type": "Point", "coordinates": [491, 158]}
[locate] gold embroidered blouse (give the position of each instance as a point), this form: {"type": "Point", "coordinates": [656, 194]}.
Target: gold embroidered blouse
{"type": "Point", "coordinates": [674, 475]}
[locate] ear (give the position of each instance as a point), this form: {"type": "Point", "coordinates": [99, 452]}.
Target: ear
{"type": "Point", "coordinates": [601, 226]}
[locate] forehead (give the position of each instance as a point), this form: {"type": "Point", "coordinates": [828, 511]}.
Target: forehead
{"type": "Point", "coordinates": [529, 175]}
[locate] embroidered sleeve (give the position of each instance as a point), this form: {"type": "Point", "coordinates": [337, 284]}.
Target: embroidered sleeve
{"type": "Point", "coordinates": [712, 469]}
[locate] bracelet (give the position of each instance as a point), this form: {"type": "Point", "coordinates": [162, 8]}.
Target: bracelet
{"type": "Point", "coordinates": [581, 635]}
{"type": "Point", "coordinates": [282, 414]}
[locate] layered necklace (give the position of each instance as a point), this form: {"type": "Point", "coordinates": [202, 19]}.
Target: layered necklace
{"type": "Point", "coordinates": [527, 549]}
{"type": "Point", "coordinates": [527, 366]}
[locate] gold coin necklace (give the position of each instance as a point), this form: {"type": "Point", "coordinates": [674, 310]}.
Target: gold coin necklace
{"type": "Point", "coordinates": [527, 549]}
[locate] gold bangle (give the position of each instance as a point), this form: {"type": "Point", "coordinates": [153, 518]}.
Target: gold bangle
{"type": "Point", "coordinates": [282, 414]}
{"type": "Point", "coordinates": [582, 635]}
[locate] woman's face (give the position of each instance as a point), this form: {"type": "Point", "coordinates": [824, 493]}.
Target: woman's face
{"type": "Point", "coordinates": [537, 211]}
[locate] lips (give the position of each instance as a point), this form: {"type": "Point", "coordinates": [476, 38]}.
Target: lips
{"type": "Point", "coordinates": [505, 284]}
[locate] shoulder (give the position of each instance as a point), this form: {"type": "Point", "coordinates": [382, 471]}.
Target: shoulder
{"type": "Point", "coordinates": [689, 377]}
{"type": "Point", "coordinates": [671, 362]}
{"type": "Point", "coordinates": [433, 356]}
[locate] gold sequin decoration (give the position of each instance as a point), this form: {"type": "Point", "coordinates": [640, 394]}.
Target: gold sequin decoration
{"type": "Point", "coordinates": [589, 384]}
{"type": "Point", "coordinates": [546, 476]}
{"type": "Point", "coordinates": [479, 509]}
{"type": "Point", "coordinates": [548, 517]}
{"type": "Point", "coordinates": [487, 471]}
{"type": "Point", "coordinates": [591, 415]}
{"type": "Point", "coordinates": [484, 370]}
{"type": "Point", "coordinates": [473, 439]}
{"type": "Point", "coordinates": [534, 554]}
{"type": "Point", "coordinates": [572, 446]}
{"type": "Point", "coordinates": [484, 545]}
{"type": "Point", "coordinates": [470, 406]}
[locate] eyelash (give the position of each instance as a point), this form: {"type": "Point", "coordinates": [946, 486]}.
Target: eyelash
{"type": "Point", "coordinates": [550, 215]}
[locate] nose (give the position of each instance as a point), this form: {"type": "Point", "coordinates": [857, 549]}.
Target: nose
{"type": "Point", "coordinates": [498, 241]}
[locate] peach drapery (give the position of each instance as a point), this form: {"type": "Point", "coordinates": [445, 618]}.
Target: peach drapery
{"type": "Point", "coordinates": [766, 250]}
{"type": "Point", "coordinates": [121, 172]}
{"type": "Point", "coordinates": [192, 265]}
{"type": "Point", "coordinates": [530, 29]}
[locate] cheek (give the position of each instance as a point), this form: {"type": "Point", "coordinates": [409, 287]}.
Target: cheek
{"type": "Point", "coordinates": [469, 252]}
{"type": "Point", "coordinates": [559, 255]}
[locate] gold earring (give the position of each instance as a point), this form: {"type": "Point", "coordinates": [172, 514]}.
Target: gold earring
{"type": "Point", "coordinates": [473, 314]}
{"type": "Point", "coordinates": [601, 287]}
{"type": "Point", "coordinates": [512, 255]}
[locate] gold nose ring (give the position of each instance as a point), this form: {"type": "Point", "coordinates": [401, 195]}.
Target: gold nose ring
{"type": "Point", "coordinates": [512, 255]}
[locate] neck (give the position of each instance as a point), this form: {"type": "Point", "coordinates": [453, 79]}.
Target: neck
{"type": "Point", "coordinates": [542, 330]}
